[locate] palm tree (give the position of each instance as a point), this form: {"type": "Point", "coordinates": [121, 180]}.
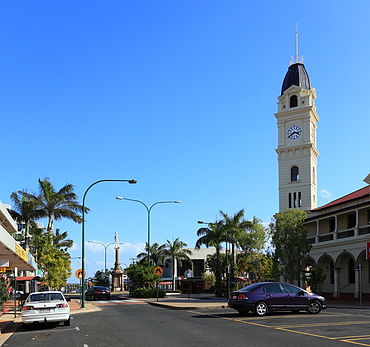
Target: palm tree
{"type": "Point", "coordinates": [213, 236]}
{"type": "Point", "coordinates": [156, 254]}
{"type": "Point", "coordinates": [235, 228]}
{"type": "Point", "coordinates": [55, 205]}
{"type": "Point", "coordinates": [60, 241]}
{"type": "Point", "coordinates": [177, 253]}
{"type": "Point", "coordinates": [24, 212]}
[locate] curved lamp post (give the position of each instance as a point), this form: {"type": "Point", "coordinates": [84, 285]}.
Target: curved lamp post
{"type": "Point", "coordinates": [83, 232]}
{"type": "Point", "coordinates": [105, 245]}
{"type": "Point", "coordinates": [148, 209]}
{"type": "Point", "coordinates": [227, 258]}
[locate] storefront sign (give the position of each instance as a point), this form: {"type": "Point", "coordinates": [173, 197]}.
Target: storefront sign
{"type": "Point", "coordinates": [21, 252]}
{"type": "Point", "coordinates": [5, 269]}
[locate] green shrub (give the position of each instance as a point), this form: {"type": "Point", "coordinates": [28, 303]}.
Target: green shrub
{"type": "Point", "coordinates": [148, 292]}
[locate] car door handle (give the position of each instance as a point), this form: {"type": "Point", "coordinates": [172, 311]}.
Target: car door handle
{"type": "Point", "coordinates": [268, 296]}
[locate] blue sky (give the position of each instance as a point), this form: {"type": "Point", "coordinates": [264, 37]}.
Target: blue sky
{"type": "Point", "coordinates": [179, 95]}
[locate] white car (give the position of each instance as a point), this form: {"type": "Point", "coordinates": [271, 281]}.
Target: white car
{"type": "Point", "coordinates": [43, 307]}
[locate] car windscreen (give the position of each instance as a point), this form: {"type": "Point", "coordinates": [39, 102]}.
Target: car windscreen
{"type": "Point", "coordinates": [46, 297]}
{"type": "Point", "coordinates": [250, 287]}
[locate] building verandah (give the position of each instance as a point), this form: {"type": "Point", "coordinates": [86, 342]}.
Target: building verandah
{"type": "Point", "coordinates": [338, 233]}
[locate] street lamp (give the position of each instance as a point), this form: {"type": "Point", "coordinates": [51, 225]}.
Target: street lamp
{"type": "Point", "coordinates": [105, 245]}
{"type": "Point", "coordinates": [83, 232]}
{"type": "Point", "coordinates": [148, 209]}
{"type": "Point", "coordinates": [227, 258]}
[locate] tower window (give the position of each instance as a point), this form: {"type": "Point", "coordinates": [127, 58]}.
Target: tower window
{"type": "Point", "coordinates": [293, 102]}
{"type": "Point", "coordinates": [299, 199]}
{"type": "Point", "coordinates": [290, 200]}
{"type": "Point", "coordinates": [294, 199]}
{"type": "Point", "coordinates": [294, 174]}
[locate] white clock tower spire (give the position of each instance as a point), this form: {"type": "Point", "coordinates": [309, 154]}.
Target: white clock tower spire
{"type": "Point", "coordinates": [297, 152]}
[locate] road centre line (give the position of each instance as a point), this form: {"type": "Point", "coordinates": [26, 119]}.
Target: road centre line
{"type": "Point", "coordinates": [355, 342]}
{"type": "Point", "coordinates": [323, 324]}
{"type": "Point", "coordinates": [342, 339]}
{"type": "Point", "coordinates": [299, 316]}
{"type": "Point", "coordinates": [352, 337]}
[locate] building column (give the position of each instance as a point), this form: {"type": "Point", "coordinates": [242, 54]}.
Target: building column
{"type": "Point", "coordinates": [317, 231]}
{"type": "Point", "coordinates": [335, 233]}
{"type": "Point", "coordinates": [357, 282]}
{"type": "Point", "coordinates": [336, 282]}
{"type": "Point", "coordinates": [356, 226]}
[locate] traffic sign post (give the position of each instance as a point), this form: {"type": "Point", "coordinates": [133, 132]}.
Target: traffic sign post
{"type": "Point", "coordinates": [158, 271]}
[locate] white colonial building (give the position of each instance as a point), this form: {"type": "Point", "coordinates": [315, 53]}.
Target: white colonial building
{"type": "Point", "coordinates": [339, 230]}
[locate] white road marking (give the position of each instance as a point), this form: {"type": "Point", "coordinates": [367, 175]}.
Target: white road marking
{"type": "Point", "coordinates": [77, 328]}
{"type": "Point", "coordinates": [85, 345]}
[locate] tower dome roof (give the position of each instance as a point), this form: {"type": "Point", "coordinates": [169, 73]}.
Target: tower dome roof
{"type": "Point", "coordinates": [296, 75]}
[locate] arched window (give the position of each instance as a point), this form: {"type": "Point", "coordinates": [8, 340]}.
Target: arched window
{"type": "Point", "coordinates": [294, 174]}
{"type": "Point", "coordinates": [293, 101]}
{"type": "Point", "coordinates": [351, 271]}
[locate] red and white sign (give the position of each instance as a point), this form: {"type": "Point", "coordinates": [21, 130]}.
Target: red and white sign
{"type": "Point", "coordinates": [368, 250]}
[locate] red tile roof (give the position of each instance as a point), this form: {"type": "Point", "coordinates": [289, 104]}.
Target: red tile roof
{"type": "Point", "coordinates": [365, 191]}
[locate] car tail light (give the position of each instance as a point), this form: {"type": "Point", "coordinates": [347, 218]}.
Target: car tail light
{"type": "Point", "coordinates": [242, 297]}
{"type": "Point", "coordinates": [61, 305]}
{"type": "Point", "coordinates": [27, 308]}
{"type": "Point", "coordinates": [97, 292]}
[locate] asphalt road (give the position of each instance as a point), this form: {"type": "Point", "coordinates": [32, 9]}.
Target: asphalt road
{"type": "Point", "coordinates": [145, 325]}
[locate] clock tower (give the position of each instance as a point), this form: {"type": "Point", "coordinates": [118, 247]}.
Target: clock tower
{"type": "Point", "coordinates": [297, 152]}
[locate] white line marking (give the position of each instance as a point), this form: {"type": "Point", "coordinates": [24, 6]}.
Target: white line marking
{"type": "Point", "coordinates": [77, 328]}
{"type": "Point", "coordinates": [85, 345]}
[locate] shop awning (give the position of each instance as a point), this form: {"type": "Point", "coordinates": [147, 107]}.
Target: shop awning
{"type": "Point", "coordinates": [27, 278]}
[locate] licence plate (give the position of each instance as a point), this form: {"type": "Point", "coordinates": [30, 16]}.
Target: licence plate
{"type": "Point", "coordinates": [233, 297]}
{"type": "Point", "coordinates": [43, 310]}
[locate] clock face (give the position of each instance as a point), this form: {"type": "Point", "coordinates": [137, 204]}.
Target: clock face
{"type": "Point", "coordinates": [294, 132]}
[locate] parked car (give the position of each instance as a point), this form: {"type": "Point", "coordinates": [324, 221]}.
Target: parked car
{"type": "Point", "coordinates": [44, 307]}
{"type": "Point", "coordinates": [262, 298]}
{"type": "Point", "coordinates": [98, 292]}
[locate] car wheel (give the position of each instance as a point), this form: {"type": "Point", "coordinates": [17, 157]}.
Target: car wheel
{"type": "Point", "coordinates": [314, 307]}
{"type": "Point", "coordinates": [67, 322]}
{"type": "Point", "coordinates": [261, 309]}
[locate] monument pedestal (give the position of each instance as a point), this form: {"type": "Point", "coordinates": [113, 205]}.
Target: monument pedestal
{"type": "Point", "coordinates": [117, 275]}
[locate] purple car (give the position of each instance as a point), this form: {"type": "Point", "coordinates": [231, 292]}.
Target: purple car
{"type": "Point", "coordinates": [262, 298]}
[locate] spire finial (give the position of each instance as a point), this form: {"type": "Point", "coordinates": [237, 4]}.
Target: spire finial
{"type": "Point", "coordinates": [296, 43]}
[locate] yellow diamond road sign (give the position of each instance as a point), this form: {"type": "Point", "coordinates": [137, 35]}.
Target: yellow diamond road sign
{"type": "Point", "coordinates": [158, 271]}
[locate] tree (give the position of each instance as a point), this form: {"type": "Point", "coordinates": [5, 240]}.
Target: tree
{"type": "Point", "coordinates": [5, 291]}
{"type": "Point", "coordinates": [142, 276]}
{"type": "Point", "coordinates": [289, 239]}
{"type": "Point", "coordinates": [55, 205]}
{"type": "Point", "coordinates": [54, 263]}
{"type": "Point", "coordinates": [60, 241]}
{"type": "Point", "coordinates": [176, 252]}
{"type": "Point", "coordinates": [256, 263]}
{"type": "Point", "coordinates": [213, 236]}
{"type": "Point", "coordinates": [235, 228]}
{"type": "Point", "coordinates": [253, 238]}
{"type": "Point", "coordinates": [24, 212]}
{"type": "Point", "coordinates": [156, 254]}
